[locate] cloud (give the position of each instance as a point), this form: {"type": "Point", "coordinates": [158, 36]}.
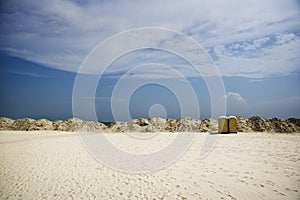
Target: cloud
{"type": "Point", "coordinates": [282, 107]}
{"type": "Point", "coordinates": [234, 97]}
{"type": "Point", "coordinates": [155, 64]}
{"type": "Point", "coordinates": [23, 73]}
{"type": "Point", "coordinates": [256, 59]}
{"type": "Point", "coordinates": [236, 104]}
{"type": "Point", "coordinates": [60, 34]}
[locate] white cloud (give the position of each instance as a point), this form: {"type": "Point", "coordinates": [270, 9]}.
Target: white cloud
{"type": "Point", "coordinates": [255, 44]}
{"type": "Point", "coordinates": [257, 60]}
{"type": "Point", "coordinates": [286, 38]}
{"type": "Point", "coordinates": [234, 97]}
{"type": "Point", "coordinates": [60, 34]}
{"type": "Point", "coordinates": [236, 104]}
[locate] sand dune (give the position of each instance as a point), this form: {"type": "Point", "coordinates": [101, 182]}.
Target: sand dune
{"type": "Point", "coordinates": [55, 165]}
{"type": "Point", "coordinates": [183, 124]}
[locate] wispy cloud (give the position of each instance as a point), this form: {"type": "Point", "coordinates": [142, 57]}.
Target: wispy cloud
{"type": "Point", "coordinates": [60, 34]}
{"type": "Point", "coordinates": [26, 73]}
{"type": "Point", "coordinates": [263, 57]}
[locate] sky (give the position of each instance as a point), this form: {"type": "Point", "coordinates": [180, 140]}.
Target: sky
{"type": "Point", "coordinates": [254, 46]}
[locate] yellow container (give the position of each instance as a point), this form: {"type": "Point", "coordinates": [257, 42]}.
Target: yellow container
{"type": "Point", "coordinates": [223, 124]}
{"type": "Point", "coordinates": [232, 124]}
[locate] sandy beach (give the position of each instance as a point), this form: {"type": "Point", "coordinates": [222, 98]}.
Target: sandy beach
{"type": "Point", "coordinates": [55, 165]}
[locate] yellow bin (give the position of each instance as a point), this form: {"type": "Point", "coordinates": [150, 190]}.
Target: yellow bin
{"type": "Point", "coordinates": [232, 124]}
{"type": "Point", "coordinates": [222, 124]}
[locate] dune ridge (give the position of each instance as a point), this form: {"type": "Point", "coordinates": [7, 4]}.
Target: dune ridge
{"type": "Point", "coordinates": [183, 124]}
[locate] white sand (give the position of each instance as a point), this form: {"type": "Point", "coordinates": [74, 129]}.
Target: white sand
{"type": "Point", "coordinates": [55, 165]}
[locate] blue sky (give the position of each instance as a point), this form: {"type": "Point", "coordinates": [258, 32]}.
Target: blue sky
{"type": "Point", "coordinates": [254, 44]}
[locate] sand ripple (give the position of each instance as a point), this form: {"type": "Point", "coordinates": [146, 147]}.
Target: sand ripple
{"type": "Point", "coordinates": [55, 165]}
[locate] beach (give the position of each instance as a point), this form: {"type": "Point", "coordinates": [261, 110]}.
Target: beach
{"type": "Point", "coordinates": [56, 165]}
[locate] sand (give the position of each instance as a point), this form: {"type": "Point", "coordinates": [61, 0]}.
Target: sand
{"type": "Point", "coordinates": [55, 165]}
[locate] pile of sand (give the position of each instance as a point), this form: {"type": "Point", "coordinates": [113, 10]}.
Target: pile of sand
{"type": "Point", "coordinates": [184, 124]}
{"type": "Point", "coordinates": [274, 125]}
{"type": "Point", "coordinates": [28, 124]}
